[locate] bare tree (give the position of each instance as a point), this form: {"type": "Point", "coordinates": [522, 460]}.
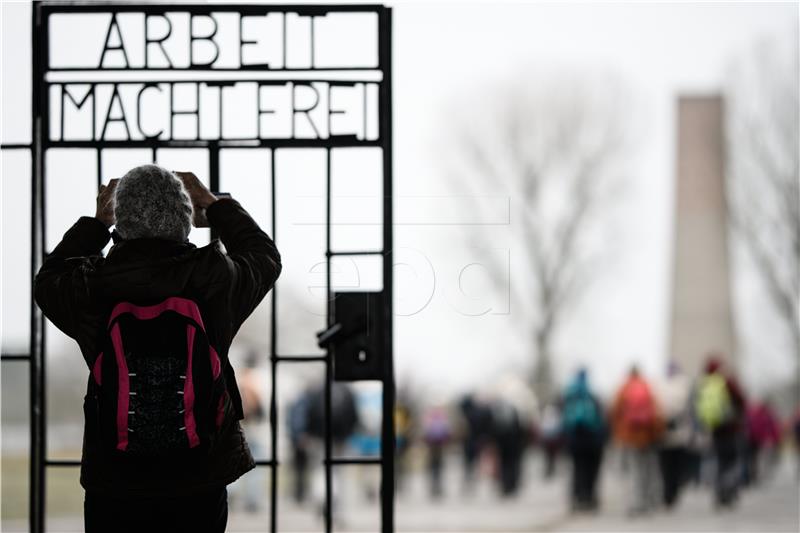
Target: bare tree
{"type": "Point", "coordinates": [764, 178]}
{"type": "Point", "coordinates": [554, 145]}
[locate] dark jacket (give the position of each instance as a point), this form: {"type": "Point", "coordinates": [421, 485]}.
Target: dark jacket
{"type": "Point", "coordinates": [77, 287]}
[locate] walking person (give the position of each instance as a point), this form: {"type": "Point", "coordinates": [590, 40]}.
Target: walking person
{"type": "Point", "coordinates": [344, 420]}
{"type": "Point", "coordinates": [514, 410]}
{"type": "Point", "coordinates": [720, 408]}
{"type": "Point", "coordinates": [637, 429]}
{"type": "Point", "coordinates": [154, 321]}
{"type": "Point", "coordinates": [436, 432]}
{"type": "Point", "coordinates": [477, 421]}
{"type": "Point", "coordinates": [794, 432]}
{"type": "Point", "coordinates": [297, 419]}
{"type": "Point", "coordinates": [366, 439]}
{"type": "Point", "coordinates": [550, 438]}
{"type": "Point", "coordinates": [674, 398]}
{"type": "Point", "coordinates": [584, 431]}
{"type": "Point", "coordinates": [404, 433]}
{"type": "Point", "coordinates": [763, 442]}
{"type": "Point", "coordinates": [250, 488]}
{"type": "Point", "coordinates": [510, 437]}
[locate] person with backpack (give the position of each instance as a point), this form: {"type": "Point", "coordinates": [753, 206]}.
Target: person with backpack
{"type": "Point", "coordinates": [674, 398]}
{"type": "Point", "coordinates": [720, 410]}
{"type": "Point", "coordinates": [637, 429]}
{"type": "Point", "coordinates": [584, 431]}
{"type": "Point", "coordinates": [154, 320]}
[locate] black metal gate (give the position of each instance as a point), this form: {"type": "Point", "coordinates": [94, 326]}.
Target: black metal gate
{"type": "Point", "coordinates": [149, 79]}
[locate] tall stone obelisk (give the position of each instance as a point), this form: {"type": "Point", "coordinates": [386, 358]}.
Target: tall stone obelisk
{"type": "Point", "coordinates": [701, 303]}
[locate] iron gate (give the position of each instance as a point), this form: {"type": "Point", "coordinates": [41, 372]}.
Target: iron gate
{"type": "Point", "coordinates": [49, 80]}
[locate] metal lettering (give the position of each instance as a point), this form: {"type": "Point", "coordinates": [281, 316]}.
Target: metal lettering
{"type": "Point", "coordinates": [115, 97]}
{"type": "Point", "coordinates": [158, 42]}
{"type": "Point", "coordinates": [139, 110]}
{"type": "Point", "coordinates": [107, 47]}
{"type": "Point", "coordinates": [210, 38]}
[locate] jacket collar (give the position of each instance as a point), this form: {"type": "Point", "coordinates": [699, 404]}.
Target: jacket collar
{"type": "Point", "coordinates": [147, 248]}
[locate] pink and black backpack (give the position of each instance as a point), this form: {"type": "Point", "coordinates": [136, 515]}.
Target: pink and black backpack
{"type": "Point", "coordinates": [160, 386]}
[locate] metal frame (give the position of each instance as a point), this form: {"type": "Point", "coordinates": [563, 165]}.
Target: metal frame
{"type": "Point", "coordinates": [40, 142]}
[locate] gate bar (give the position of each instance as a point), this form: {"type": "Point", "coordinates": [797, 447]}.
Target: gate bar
{"type": "Point", "coordinates": [273, 346]}
{"type": "Point", "coordinates": [300, 358]}
{"type": "Point", "coordinates": [39, 51]}
{"type": "Point", "coordinates": [15, 357]}
{"type": "Point", "coordinates": [63, 462]}
{"type": "Point", "coordinates": [387, 425]}
{"type": "Point", "coordinates": [354, 252]}
{"type": "Point", "coordinates": [328, 359]}
{"type": "Point", "coordinates": [344, 461]}
{"type": "Point", "coordinates": [15, 146]}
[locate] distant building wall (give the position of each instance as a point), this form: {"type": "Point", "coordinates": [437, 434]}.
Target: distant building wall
{"type": "Point", "coordinates": [701, 303]}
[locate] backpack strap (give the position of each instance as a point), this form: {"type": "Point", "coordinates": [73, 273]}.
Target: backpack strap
{"type": "Point", "coordinates": [97, 369]}
{"type": "Point", "coordinates": [123, 390]}
{"type": "Point", "coordinates": [216, 365]}
{"type": "Point", "coordinates": [188, 392]}
{"type": "Point", "coordinates": [182, 306]}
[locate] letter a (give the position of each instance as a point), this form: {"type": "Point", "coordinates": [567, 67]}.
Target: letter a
{"type": "Point", "coordinates": [110, 47]}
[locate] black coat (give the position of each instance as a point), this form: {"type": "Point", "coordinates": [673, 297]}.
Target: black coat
{"type": "Point", "coordinates": [77, 287]}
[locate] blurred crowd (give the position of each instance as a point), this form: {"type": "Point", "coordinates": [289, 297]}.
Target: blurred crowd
{"type": "Point", "coordinates": [668, 431]}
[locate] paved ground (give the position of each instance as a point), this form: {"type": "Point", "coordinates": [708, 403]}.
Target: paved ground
{"type": "Point", "coordinates": [773, 506]}
{"type": "Point", "coordinates": [541, 506]}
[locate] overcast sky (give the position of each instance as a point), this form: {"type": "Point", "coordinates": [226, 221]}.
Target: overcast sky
{"type": "Point", "coordinates": [440, 51]}
{"type": "Point", "coordinates": [662, 50]}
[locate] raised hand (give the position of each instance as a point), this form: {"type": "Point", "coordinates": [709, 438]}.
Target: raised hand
{"type": "Point", "coordinates": [200, 196]}
{"type": "Point", "coordinates": [105, 203]}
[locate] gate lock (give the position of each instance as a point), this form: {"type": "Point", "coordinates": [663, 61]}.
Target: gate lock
{"type": "Point", "coordinates": [355, 339]}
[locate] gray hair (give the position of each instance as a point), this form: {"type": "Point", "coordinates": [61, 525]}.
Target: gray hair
{"type": "Point", "coordinates": [152, 202]}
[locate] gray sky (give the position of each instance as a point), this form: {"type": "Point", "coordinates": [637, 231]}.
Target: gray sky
{"type": "Point", "coordinates": [662, 50]}
{"type": "Point", "coordinates": [440, 49]}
